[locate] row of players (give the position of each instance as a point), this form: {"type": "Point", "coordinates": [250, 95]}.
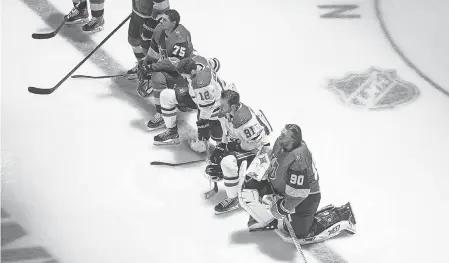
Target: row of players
{"type": "Point", "coordinates": [270, 183]}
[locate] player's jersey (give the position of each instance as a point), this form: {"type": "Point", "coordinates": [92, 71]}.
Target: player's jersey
{"type": "Point", "coordinates": [149, 8]}
{"type": "Point", "coordinates": [246, 127]}
{"type": "Point", "coordinates": [293, 174]}
{"type": "Point", "coordinates": [168, 50]}
{"type": "Point", "coordinates": [205, 89]}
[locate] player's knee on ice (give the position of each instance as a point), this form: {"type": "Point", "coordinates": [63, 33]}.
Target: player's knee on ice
{"type": "Point", "coordinates": [303, 218]}
{"type": "Point", "coordinates": [183, 97]}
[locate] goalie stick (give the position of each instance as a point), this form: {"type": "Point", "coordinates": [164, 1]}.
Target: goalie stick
{"type": "Point", "coordinates": [51, 34]}
{"type": "Point", "coordinates": [295, 239]}
{"type": "Point", "coordinates": [176, 164]}
{"type": "Point", "coordinates": [51, 90]}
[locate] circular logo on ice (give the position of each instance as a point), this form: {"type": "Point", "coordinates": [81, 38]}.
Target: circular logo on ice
{"type": "Point", "coordinates": [374, 89]}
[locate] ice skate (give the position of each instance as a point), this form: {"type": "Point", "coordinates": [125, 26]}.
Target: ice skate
{"type": "Point", "coordinates": [227, 205]}
{"type": "Point", "coordinates": [169, 137]}
{"type": "Point", "coordinates": [156, 123]}
{"type": "Point", "coordinates": [133, 70]}
{"type": "Point", "coordinates": [95, 24]}
{"type": "Point", "coordinates": [77, 16]}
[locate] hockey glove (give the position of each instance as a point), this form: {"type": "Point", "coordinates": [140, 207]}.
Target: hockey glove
{"type": "Point", "coordinates": [277, 208]}
{"type": "Point", "coordinates": [218, 153]}
{"type": "Point", "coordinates": [144, 69]}
{"type": "Point", "coordinates": [234, 146]}
{"type": "Point", "coordinates": [203, 130]}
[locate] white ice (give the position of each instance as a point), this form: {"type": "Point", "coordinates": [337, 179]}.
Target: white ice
{"type": "Point", "coordinates": [78, 177]}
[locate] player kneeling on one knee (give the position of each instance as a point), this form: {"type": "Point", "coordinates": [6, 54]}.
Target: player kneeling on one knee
{"type": "Point", "coordinates": [284, 183]}
{"type": "Point", "coordinates": [244, 135]}
{"type": "Point", "coordinates": [203, 93]}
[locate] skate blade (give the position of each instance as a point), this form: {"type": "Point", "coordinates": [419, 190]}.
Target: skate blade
{"type": "Point", "coordinates": [77, 22]}
{"type": "Point", "coordinates": [230, 210]}
{"type": "Point", "coordinates": [98, 29]}
{"type": "Point", "coordinates": [132, 76]}
{"type": "Point", "coordinates": [261, 229]}
{"type": "Point", "coordinates": [171, 142]}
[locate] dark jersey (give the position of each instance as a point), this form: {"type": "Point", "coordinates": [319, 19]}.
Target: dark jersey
{"type": "Point", "coordinates": [293, 174]}
{"type": "Point", "coordinates": [168, 50]}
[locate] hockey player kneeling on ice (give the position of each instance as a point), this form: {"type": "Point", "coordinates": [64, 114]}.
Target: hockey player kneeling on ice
{"type": "Point", "coordinates": [170, 43]}
{"type": "Point", "coordinates": [284, 183]}
{"type": "Point", "coordinates": [203, 93]}
{"type": "Point", "coordinates": [244, 134]}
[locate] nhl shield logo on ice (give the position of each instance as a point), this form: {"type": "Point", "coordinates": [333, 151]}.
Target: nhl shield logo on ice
{"type": "Point", "coordinates": [374, 89]}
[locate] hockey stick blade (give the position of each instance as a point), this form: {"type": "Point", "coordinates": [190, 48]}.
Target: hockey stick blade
{"type": "Point", "coordinates": [51, 34]}
{"type": "Point", "coordinates": [176, 164]}
{"type": "Point", "coordinates": [211, 192]}
{"type": "Point", "coordinates": [39, 91]}
{"type": "Point", "coordinates": [35, 90]}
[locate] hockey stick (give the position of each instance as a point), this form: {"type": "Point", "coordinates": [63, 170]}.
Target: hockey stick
{"type": "Point", "coordinates": [176, 164]}
{"type": "Point", "coordinates": [49, 91]}
{"type": "Point", "coordinates": [51, 34]}
{"type": "Point", "coordinates": [295, 239]}
{"type": "Point", "coordinates": [100, 77]}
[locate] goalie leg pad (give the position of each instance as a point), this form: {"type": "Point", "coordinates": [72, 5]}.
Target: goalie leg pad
{"type": "Point", "coordinates": [260, 165]}
{"type": "Point", "coordinates": [329, 222]}
{"type": "Point", "coordinates": [249, 200]}
{"type": "Point", "coordinates": [168, 107]}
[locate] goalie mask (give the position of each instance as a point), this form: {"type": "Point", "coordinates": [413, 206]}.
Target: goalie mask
{"type": "Point", "coordinates": [291, 137]}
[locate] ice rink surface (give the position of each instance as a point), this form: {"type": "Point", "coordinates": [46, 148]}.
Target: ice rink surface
{"type": "Point", "coordinates": [76, 178]}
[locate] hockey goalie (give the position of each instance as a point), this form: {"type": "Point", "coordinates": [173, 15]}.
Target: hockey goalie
{"type": "Point", "coordinates": [282, 183]}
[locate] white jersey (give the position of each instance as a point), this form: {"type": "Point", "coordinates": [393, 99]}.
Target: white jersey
{"type": "Point", "coordinates": [246, 127]}
{"type": "Point", "coordinates": [205, 89]}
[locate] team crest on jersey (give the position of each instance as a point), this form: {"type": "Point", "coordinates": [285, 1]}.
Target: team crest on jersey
{"type": "Point", "coordinates": [374, 89]}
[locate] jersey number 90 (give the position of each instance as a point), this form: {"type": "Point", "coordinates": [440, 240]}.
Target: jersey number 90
{"type": "Point", "coordinates": [296, 179]}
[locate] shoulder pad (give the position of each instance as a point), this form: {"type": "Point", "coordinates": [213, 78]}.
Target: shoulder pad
{"type": "Point", "coordinates": [202, 79]}
{"type": "Point", "coordinates": [200, 60]}
{"type": "Point", "coordinates": [181, 33]}
{"type": "Point", "coordinates": [299, 152]}
{"type": "Point", "coordinates": [242, 116]}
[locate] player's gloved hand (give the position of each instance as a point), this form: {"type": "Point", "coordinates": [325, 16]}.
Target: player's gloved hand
{"type": "Point", "coordinates": [218, 153]}
{"type": "Point", "coordinates": [234, 146]}
{"type": "Point", "coordinates": [203, 130]}
{"type": "Point", "coordinates": [277, 208]}
{"type": "Point", "coordinates": [144, 69]}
